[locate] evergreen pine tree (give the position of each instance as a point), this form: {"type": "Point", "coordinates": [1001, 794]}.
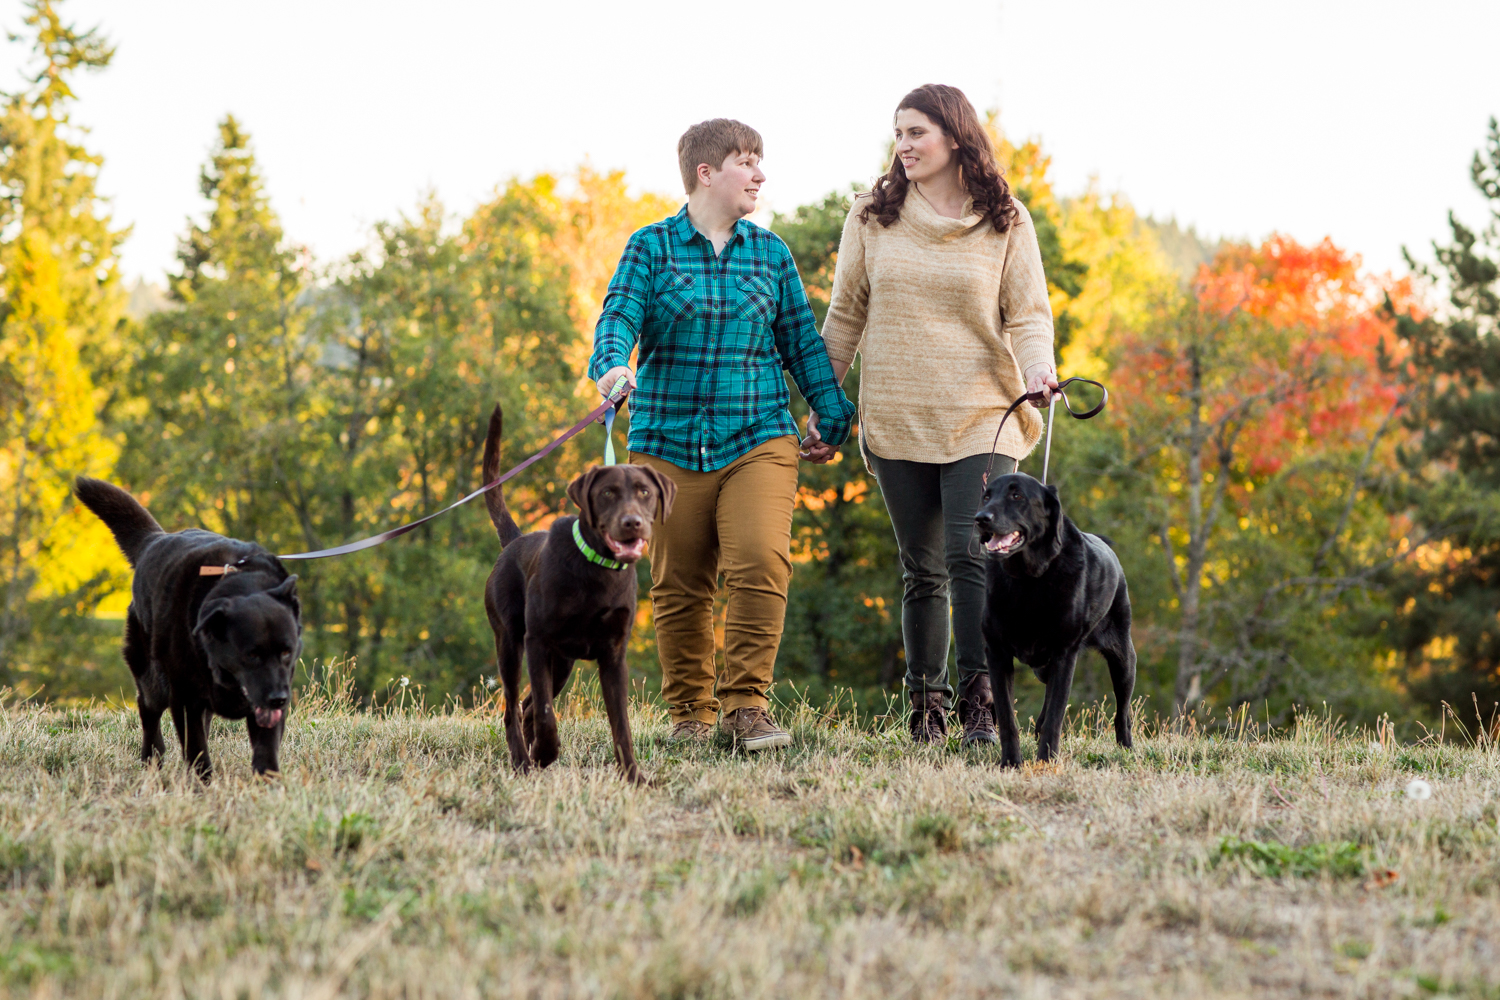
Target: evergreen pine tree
{"type": "Point", "coordinates": [1449, 626]}
{"type": "Point", "coordinates": [225, 377]}
{"type": "Point", "coordinates": [60, 303]}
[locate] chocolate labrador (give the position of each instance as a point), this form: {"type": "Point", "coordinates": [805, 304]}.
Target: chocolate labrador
{"type": "Point", "coordinates": [214, 628]}
{"type": "Point", "coordinates": [1050, 591]}
{"type": "Point", "coordinates": [569, 593]}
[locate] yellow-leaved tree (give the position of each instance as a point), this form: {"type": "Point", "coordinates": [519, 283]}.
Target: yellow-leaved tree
{"type": "Point", "coordinates": [62, 302]}
{"type": "Point", "coordinates": [592, 215]}
{"type": "Point", "coordinates": [1104, 268]}
{"type": "Point", "coordinates": [1126, 276]}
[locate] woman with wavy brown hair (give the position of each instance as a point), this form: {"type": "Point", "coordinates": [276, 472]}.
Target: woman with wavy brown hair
{"type": "Point", "coordinates": [939, 288]}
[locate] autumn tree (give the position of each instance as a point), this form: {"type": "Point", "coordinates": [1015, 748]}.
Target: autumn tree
{"type": "Point", "coordinates": [1254, 432]}
{"type": "Point", "coordinates": [62, 302]}
{"type": "Point", "coordinates": [1125, 274]}
{"type": "Point", "coordinates": [1447, 628]}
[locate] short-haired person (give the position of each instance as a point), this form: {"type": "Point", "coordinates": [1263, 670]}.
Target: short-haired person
{"type": "Point", "coordinates": [939, 287]}
{"type": "Point", "coordinates": [716, 307]}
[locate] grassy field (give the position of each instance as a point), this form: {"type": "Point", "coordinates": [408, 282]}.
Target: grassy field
{"type": "Point", "coordinates": [398, 856]}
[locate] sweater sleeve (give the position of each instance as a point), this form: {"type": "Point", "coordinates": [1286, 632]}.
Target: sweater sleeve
{"type": "Point", "coordinates": [1024, 308]}
{"type": "Point", "coordinates": [849, 303]}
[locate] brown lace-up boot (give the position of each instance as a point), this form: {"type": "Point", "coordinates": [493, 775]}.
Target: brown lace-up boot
{"type": "Point", "coordinates": [929, 719]}
{"type": "Point", "coordinates": [689, 732]}
{"type": "Point", "coordinates": [754, 729]}
{"type": "Point", "coordinates": [976, 710]}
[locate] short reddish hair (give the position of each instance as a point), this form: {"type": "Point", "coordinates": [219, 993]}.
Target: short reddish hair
{"type": "Point", "coordinates": [712, 142]}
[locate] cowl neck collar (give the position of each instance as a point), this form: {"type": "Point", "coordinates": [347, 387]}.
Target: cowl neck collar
{"type": "Point", "coordinates": [918, 213]}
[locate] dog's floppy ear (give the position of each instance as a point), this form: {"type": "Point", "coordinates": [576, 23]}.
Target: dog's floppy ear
{"type": "Point", "coordinates": [666, 492]}
{"type": "Point", "coordinates": [1054, 521]}
{"type": "Point", "coordinates": [213, 619]}
{"type": "Point", "coordinates": [286, 593]}
{"type": "Point", "coordinates": [579, 490]}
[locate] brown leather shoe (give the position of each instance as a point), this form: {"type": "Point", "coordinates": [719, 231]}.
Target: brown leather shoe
{"type": "Point", "coordinates": [752, 729]}
{"type": "Point", "coordinates": [690, 731]}
{"type": "Point", "coordinates": [976, 710]}
{"type": "Point", "coordinates": [929, 719]}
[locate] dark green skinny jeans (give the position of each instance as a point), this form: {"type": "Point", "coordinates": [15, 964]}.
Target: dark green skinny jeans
{"type": "Point", "coordinates": [932, 509]}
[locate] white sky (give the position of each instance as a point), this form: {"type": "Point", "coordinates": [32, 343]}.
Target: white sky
{"type": "Point", "coordinates": [1353, 120]}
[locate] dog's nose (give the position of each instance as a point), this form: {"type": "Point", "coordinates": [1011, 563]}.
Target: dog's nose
{"type": "Point", "coordinates": [631, 522]}
{"type": "Point", "coordinates": [984, 518]}
{"type": "Point", "coordinates": [278, 700]}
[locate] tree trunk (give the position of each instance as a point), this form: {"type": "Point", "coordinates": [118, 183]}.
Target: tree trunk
{"type": "Point", "coordinates": [1187, 690]}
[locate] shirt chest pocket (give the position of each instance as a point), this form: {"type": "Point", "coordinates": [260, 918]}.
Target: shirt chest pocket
{"type": "Point", "coordinates": [756, 300]}
{"type": "Point", "coordinates": [672, 300]}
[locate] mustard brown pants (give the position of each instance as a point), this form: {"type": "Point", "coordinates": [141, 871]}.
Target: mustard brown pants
{"type": "Point", "coordinates": [736, 520]}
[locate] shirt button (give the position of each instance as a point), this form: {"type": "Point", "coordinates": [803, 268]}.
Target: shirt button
{"type": "Point", "coordinates": [703, 451]}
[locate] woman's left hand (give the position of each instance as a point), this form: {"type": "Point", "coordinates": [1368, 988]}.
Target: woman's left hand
{"type": "Point", "coordinates": [1041, 378]}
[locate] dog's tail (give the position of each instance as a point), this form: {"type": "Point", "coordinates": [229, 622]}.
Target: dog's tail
{"type": "Point", "coordinates": [131, 523]}
{"type": "Point", "coordinates": [494, 500]}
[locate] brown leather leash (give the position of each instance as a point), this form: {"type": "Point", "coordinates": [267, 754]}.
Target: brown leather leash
{"type": "Point", "coordinates": [1031, 396]}
{"type": "Point", "coordinates": [610, 404]}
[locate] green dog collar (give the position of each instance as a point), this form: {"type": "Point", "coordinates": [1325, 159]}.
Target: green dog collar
{"type": "Point", "coordinates": [590, 554]}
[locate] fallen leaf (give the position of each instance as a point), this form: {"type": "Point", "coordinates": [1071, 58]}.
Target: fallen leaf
{"type": "Point", "coordinates": [313, 865]}
{"type": "Point", "coordinates": [1382, 877]}
{"type": "Point", "coordinates": [858, 856]}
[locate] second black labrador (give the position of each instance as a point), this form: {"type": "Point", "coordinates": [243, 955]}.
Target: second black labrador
{"type": "Point", "coordinates": [1051, 591]}
{"type": "Point", "coordinates": [569, 593]}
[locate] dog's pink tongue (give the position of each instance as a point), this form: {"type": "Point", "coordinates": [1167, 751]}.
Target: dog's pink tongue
{"type": "Point", "coordinates": [626, 551]}
{"type": "Point", "coordinates": [999, 543]}
{"type": "Point", "coordinates": [265, 718]}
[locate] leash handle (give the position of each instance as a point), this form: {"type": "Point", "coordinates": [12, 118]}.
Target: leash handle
{"type": "Point", "coordinates": [385, 536]}
{"type": "Point", "coordinates": [1027, 397]}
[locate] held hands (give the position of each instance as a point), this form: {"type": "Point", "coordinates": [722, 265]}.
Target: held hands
{"type": "Point", "coordinates": [814, 449]}
{"type": "Point", "coordinates": [1041, 378]}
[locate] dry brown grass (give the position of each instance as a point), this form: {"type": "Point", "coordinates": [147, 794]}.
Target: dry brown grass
{"type": "Point", "coordinates": [398, 856]}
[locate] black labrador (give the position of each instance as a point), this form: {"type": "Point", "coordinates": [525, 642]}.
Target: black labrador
{"type": "Point", "coordinates": [1051, 590]}
{"type": "Point", "coordinates": [214, 628]}
{"type": "Point", "coordinates": [569, 593]}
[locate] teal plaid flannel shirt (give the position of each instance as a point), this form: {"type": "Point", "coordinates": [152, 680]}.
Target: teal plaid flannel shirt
{"type": "Point", "coordinates": [714, 335]}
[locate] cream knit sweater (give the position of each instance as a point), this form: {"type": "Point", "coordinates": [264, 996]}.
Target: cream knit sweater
{"type": "Point", "coordinates": [947, 314]}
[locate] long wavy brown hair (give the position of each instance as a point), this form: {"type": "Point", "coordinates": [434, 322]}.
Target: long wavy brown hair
{"type": "Point", "coordinates": [948, 109]}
